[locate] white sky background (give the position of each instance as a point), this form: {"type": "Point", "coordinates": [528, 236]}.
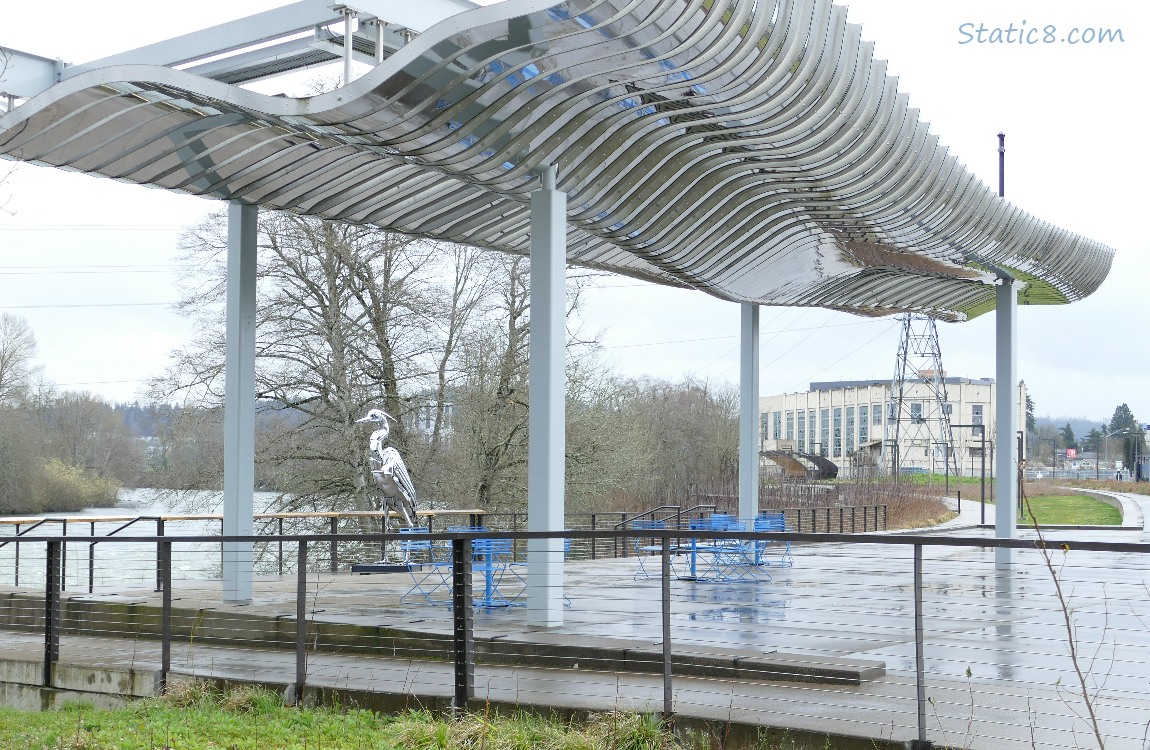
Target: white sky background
{"type": "Point", "coordinates": [1076, 156]}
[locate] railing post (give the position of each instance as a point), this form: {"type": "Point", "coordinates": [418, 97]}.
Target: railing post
{"type": "Point", "coordinates": [63, 555]}
{"type": "Point", "coordinates": [165, 583]}
{"type": "Point", "coordinates": [594, 541]}
{"type": "Point", "coordinates": [300, 622]}
{"type": "Point", "coordinates": [280, 558]}
{"type": "Point", "coordinates": [16, 573]}
{"type": "Point", "coordinates": [92, 560]}
{"type": "Point", "coordinates": [853, 509]}
{"type": "Point", "coordinates": [665, 598]}
{"type": "Point", "coordinates": [463, 618]}
{"type": "Point", "coordinates": [919, 667]}
{"type": "Point", "coordinates": [334, 545]}
{"type": "Point", "coordinates": [159, 552]}
{"type": "Point", "coordinates": [53, 563]}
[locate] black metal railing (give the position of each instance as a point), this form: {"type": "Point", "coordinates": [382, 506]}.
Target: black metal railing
{"type": "Point", "coordinates": [463, 648]}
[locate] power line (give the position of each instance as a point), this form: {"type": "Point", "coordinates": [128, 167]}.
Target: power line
{"type": "Point", "coordinates": [53, 272]}
{"type": "Point", "coordinates": [87, 228]}
{"type": "Point", "coordinates": [762, 336]}
{"type": "Point", "coordinates": [866, 343]}
{"type": "Point", "coordinates": [94, 304]}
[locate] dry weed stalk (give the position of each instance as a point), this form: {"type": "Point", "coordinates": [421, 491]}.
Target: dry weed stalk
{"type": "Point", "coordinates": [1088, 698]}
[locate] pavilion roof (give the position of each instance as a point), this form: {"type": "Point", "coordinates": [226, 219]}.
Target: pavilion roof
{"type": "Point", "coordinates": [755, 151]}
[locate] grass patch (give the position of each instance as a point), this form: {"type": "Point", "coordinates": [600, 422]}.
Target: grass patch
{"type": "Point", "coordinates": [1136, 488]}
{"type": "Point", "coordinates": [198, 718]}
{"type": "Point", "coordinates": [1074, 510]}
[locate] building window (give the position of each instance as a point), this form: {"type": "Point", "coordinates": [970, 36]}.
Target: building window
{"type": "Point", "coordinates": [801, 447]}
{"type": "Point", "coordinates": [790, 425]}
{"type": "Point", "coordinates": [948, 409]}
{"type": "Point", "coordinates": [824, 431]}
{"type": "Point", "coordinates": [778, 424]}
{"type": "Point", "coordinates": [763, 424]}
{"type": "Point", "coordinates": [976, 414]}
{"type": "Point", "coordinates": [811, 431]}
{"type": "Point", "coordinates": [916, 412]}
{"type": "Point", "coordinates": [876, 413]}
{"type": "Point", "coordinates": [850, 427]}
{"type": "Point", "coordinates": [838, 437]}
{"type": "Point", "coordinates": [864, 427]}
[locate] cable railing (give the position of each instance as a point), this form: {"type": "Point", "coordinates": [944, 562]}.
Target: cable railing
{"type": "Point", "coordinates": [80, 566]}
{"type": "Point", "coordinates": [927, 638]}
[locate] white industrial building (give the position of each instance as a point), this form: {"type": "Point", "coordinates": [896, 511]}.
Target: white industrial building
{"type": "Point", "coordinates": [851, 423]}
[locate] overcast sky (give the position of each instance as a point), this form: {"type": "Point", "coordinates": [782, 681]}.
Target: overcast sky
{"type": "Point", "coordinates": [89, 262]}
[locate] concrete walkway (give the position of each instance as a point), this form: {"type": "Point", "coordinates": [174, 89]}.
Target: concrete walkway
{"type": "Point", "coordinates": [998, 671]}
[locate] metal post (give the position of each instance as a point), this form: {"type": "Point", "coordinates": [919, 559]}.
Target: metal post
{"type": "Point", "coordinates": [159, 551]}
{"type": "Point", "coordinates": [300, 622]}
{"type": "Point", "coordinates": [92, 559]}
{"type": "Point", "coordinates": [982, 473]}
{"type": "Point", "coordinates": [1002, 165]}
{"type": "Point", "coordinates": [16, 572]}
{"type": "Point", "coordinates": [1005, 480]}
{"type": "Point", "coordinates": [668, 695]}
{"type": "Point", "coordinates": [749, 446]}
{"type": "Point", "coordinates": [165, 583]}
{"type": "Point", "coordinates": [946, 457]}
{"type": "Point", "coordinates": [52, 574]}
{"type": "Point", "coordinates": [463, 619]}
{"type": "Point", "coordinates": [280, 558]}
{"type": "Point", "coordinates": [64, 555]}
{"type": "Point", "coordinates": [348, 43]}
{"type": "Point", "coordinates": [919, 667]}
{"type": "Point", "coordinates": [546, 438]}
{"type": "Point", "coordinates": [334, 528]}
{"type": "Point", "coordinates": [239, 401]}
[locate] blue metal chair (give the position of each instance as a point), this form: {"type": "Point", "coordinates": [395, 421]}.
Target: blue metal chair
{"type": "Point", "coordinates": [643, 547]}
{"type": "Point", "coordinates": [772, 522]}
{"type": "Point", "coordinates": [427, 565]}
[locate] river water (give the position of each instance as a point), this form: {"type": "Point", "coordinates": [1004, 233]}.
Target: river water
{"type": "Point", "coordinates": [116, 565]}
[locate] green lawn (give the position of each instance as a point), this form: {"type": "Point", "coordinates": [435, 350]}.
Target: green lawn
{"type": "Point", "coordinates": [250, 719]}
{"type": "Point", "coordinates": [1075, 510]}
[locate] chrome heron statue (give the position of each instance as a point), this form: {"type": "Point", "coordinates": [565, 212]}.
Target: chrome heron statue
{"type": "Point", "coordinates": [388, 468]}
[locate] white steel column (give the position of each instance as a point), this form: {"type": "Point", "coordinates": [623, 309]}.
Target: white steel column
{"type": "Point", "coordinates": [239, 401]}
{"type": "Point", "coordinates": [749, 411]}
{"type": "Point", "coordinates": [1006, 415]}
{"type": "Point", "coordinates": [546, 439]}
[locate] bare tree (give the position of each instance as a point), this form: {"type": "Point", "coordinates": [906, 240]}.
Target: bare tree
{"type": "Point", "coordinates": [349, 317]}
{"type": "Point", "coordinates": [17, 354]}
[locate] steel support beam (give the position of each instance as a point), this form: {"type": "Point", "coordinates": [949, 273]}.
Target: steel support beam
{"type": "Point", "coordinates": [546, 439]}
{"type": "Point", "coordinates": [239, 401]}
{"type": "Point", "coordinates": [1006, 415]}
{"type": "Point", "coordinates": [749, 410]}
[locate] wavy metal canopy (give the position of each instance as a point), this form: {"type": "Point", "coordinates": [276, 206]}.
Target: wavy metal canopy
{"type": "Point", "coordinates": [753, 150]}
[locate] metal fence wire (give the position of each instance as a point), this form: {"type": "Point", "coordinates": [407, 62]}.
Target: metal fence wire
{"type": "Point", "coordinates": [889, 637]}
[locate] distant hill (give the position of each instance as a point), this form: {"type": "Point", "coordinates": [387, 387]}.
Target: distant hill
{"type": "Point", "coordinates": [1081, 425]}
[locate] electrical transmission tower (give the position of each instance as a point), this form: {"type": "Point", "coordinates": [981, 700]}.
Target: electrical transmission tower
{"type": "Point", "coordinates": [918, 419]}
